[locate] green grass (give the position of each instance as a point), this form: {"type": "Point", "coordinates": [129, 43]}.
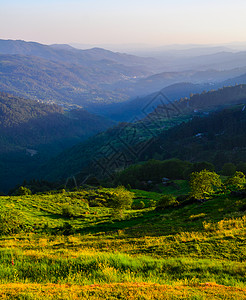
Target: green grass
{"type": "Point", "coordinates": [186, 245]}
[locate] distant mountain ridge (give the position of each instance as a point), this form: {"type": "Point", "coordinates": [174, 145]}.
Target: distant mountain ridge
{"type": "Point", "coordinates": [68, 54]}
{"type": "Point", "coordinates": [52, 73]}
{"type": "Point", "coordinates": [87, 78]}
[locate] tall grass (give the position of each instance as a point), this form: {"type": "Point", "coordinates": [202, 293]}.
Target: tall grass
{"type": "Point", "coordinates": [101, 267]}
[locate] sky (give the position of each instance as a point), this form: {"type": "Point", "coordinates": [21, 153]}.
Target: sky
{"type": "Point", "coordinates": [146, 22]}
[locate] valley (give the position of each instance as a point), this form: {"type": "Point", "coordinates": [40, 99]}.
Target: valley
{"type": "Point", "coordinates": [122, 176]}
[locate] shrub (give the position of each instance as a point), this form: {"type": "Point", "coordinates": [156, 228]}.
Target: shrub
{"type": "Point", "coordinates": [67, 211]}
{"type": "Point", "coordinates": [237, 181]}
{"type": "Point", "coordinates": [139, 205]}
{"type": "Point", "coordinates": [10, 221]}
{"type": "Point", "coordinates": [167, 201]}
{"type": "Point", "coordinates": [21, 191]}
{"type": "Point", "coordinates": [152, 203]}
{"type": "Point", "coordinates": [120, 198]}
{"type": "Point", "coordinates": [65, 229]}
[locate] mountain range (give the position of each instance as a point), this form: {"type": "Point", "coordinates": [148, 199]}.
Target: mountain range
{"type": "Point", "coordinates": [96, 78]}
{"type": "Point", "coordinates": [59, 105]}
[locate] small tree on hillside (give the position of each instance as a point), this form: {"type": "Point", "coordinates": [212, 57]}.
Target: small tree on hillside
{"type": "Point", "coordinates": [22, 191]}
{"type": "Point", "coordinates": [203, 183]}
{"type": "Point", "coordinates": [237, 181]}
{"type": "Point", "coordinates": [120, 199]}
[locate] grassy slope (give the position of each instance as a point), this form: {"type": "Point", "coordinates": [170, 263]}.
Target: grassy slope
{"type": "Point", "coordinates": [171, 254]}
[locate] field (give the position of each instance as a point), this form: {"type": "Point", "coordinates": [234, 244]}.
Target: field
{"type": "Point", "coordinates": [55, 246]}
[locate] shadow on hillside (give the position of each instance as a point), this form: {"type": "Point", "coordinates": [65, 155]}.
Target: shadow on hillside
{"type": "Point", "coordinates": [135, 226]}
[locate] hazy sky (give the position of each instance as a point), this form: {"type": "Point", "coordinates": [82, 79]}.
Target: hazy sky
{"type": "Point", "coordinates": [153, 22]}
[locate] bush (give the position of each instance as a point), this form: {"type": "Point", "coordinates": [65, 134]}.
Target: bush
{"type": "Point", "coordinates": [152, 203]}
{"type": "Point", "coordinates": [237, 181]}
{"type": "Point", "coordinates": [120, 198]}
{"type": "Point", "coordinates": [10, 221]}
{"type": "Point", "coordinates": [22, 191]}
{"type": "Point", "coordinates": [67, 211]}
{"type": "Point", "coordinates": [139, 205]}
{"type": "Point", "coordinates": [65, 229]}
{"type": "Point", "coordinates": [166, 201]}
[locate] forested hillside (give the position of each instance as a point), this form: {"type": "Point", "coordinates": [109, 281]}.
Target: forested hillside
{"type": "Point", "coordinates": [32, 132]}
{"type": "Point", "coordinates": [155, 136]}
{"type": "Point", "coordinates": [218, 137]}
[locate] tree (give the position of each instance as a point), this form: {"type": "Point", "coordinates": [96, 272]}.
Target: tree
{"type": "Point", "coordinates": [120, 198]}
{"type": "Point", "coordinates": [203, 183]}
{"type": "Point", "coordinates": [228, 169]}
{"type": "Point", "coordinates": [241, 167]}
{"type": "Point", "coordinates": [237, 181]}
{"type": "Point", "coordinates": [197, 167]}
{"type": "Point", "coordinates": [23, 191]}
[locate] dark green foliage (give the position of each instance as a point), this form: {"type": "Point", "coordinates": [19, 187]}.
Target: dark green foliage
{"type": "Point", "coordinates": [139, 175]}
{"type": "Point", "coordinates": [22, 191]}
{"type": "Point", "coordinates": [204, 183]}
{"type": "Point", "coordinates": [67, 211]}
{"type": "Point", "coordinates": [228, 169]}
{"type": "Point", "coordinates": [65, 229]}
{"type": "Point", "coordinates": [11, 221]}
{"type": "Point", "coordinates": [26, 123]}
{"type": "Point", "coordinates": [32, 132]}
{"type": "Point", "coordinates": [166, 201]}
{"type": "Point", "coordinates": [237, 181]}
{"type": "Point", "coordinates": [241, 167]}
{"type": "Point", "coordinates": [197, 167]}
{"type": "Point", "coordinates": [213, 137]}
{"type": "Point", "coordinates": [139, 205]}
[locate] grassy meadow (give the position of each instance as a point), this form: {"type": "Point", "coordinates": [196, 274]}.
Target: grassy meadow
{"type": "Point", "coordinates": [56, 246]}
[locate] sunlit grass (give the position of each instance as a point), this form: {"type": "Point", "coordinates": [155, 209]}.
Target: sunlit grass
{"type": "Point", "coordinates": [145, 254]}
